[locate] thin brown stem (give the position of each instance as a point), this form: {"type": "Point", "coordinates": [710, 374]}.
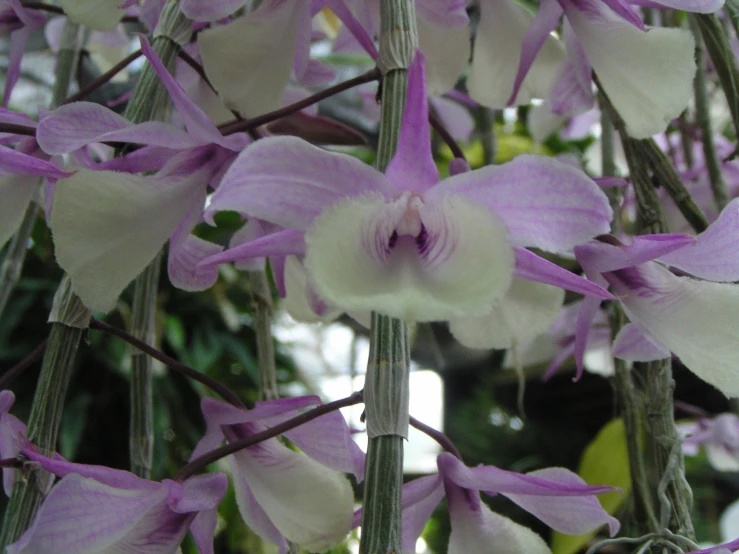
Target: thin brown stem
{"type": "Point", "coordinates": [15, 129]}
{"type": "Point", "coordinates": [104, 78]}
{"type": "Point", "coordinates": [246, 124]}
{"type": "Point", "coordinates": [438, 126]}
{"type": "Point", "coordinates": [10, 375]}
{"type": "Point", "coordinates": [201, 462]}
{"type": "Point", "coordinates": [438, 436]}
{"type": "Point", "coordinates": [185, 370]}
{"type": "Point", "coordinates": [192, 62]}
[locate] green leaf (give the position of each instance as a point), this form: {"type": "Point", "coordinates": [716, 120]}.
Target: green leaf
{"type": "Point", "coordinates": [604, 462]}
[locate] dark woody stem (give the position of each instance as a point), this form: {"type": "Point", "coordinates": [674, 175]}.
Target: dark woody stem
{"type": "Point", "coordinates": [438, 436]}
{"type": "Point", "coordinates": [247, 124]}
{"type": "Point", "coordinates": [179, 367]}
{"type": "Point", "coordinates": [104, 78]}
{"type": "Point", "coordinates": [200, 463]}
{"type": "Point", "coordinates": [10, 375]}
{"type": "Point", "coordinates": [11, 462]}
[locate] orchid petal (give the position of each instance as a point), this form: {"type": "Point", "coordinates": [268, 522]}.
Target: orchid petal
{"type": "Point", "coordinates": [13, 161]}
{"type": "Point", "coordinates": [526, 311]}
{"type": "Point", "coordinates": [252, 513]}
{"type": "Point", "coordinates": [199, 126]}
{"type": "Point", "coordinates": [623, 9]}
{"type": "Point", "coordinates": [289, 182]}
{"type": "Point", "coordinates": [543, 202]}
{"type": "Point", "coordinates": [252, 230]}
{"type": "Point", "coordinates": [502, 28]}
{"type": "Point", "coordinates": [18, 41]}
{"type": "Point", "coordinates": [538, 34]}
{"type": "Point", "coordinates": [98, 15]}
{"type": "Point", "coordinates": [585, 316]}
{"type": "Point", "coordinates": [413, 164]}
{"type": "Point", "coordinates": [634, 344]}
{"type": "Point", "coordinates": [693, 319]}
{"type": "Point", "coordinates": [535, 268]}
{"type": "Point", "coordinates": [648, 76]}
{"type": "Point", "coordinates": [281, 243]}
{"type": "Point", "coordinates": [601, 256]}
{"type": "Point", "coordinates": [694, 6]}
{"type": "Point", "coordinates": [353, 25]}
{"type": "Point", "coordinates": [477, 529]}
{"type": "Point", "coordinates": [200, 492]}
{"type": "Point", "coordinates": [713, 254]}
{"type": "Point", "coordinates": [17, 191]}
{"type": "Point", "coordinates": [460, 266]}
{"type": "Point", "coordinates": [209, 10]}
{"type": "Point", "coordinates": [108, 226]}
{"type": "Point", "coordinates": [308, 503]}
{"type": "Point", "coordinates": [447, 51]}
{"type": "Point", "coordinates": [420, 498]}
{"type": "Point", "coordinates": [447, 13]}
{"type": "Point", "coordinates": [80, 123]}
{"type": "Point", "coordinates": [301, 302]}
{"type": "Point", "coordinates": [11, 431]}
{"type": "Point", "coordinates": [455, 117]}
{"type": "Point", "coordinates": [83, 516]}
{"type": "Point", "coordinates": [572, 91]}
{"type": "Point", "coordinates": [573, 515]}
{"type": "Point", "coordinates": [234, 61]}
{"type": "Point", "coordinates": [542, 121]}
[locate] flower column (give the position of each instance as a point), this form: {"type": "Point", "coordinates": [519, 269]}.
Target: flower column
{"type": "Point", "coordinates": [386, 385]}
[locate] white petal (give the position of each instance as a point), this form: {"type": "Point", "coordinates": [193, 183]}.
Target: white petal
{"type": "Point", "coordinates": [500, 33]}
{"type": "Point", "coordinates": [648, 76]}
{"type": "Point", "coordinates": [696, 320]}
{"type": "Point", "coordinates": [249, 60]}
{"type": "Point", "coordinates": [108, 226]}
{"type": "Point", "coordinates": [301, 302]}
{"type": "Point", "coordinates": [16, 192]}
{"type": "Point", "coordinates": [527, 310]}
{"type": "Point", "coordinates": [476, 529]}
{"type": "Point", "coordinates": [465, 265]}
{"type": "Point", "coordinates": [98, 15]}
{"type": "Point", "coordinates": [447, 51]}
{"type": "Point", "coordinates": [308, 503]}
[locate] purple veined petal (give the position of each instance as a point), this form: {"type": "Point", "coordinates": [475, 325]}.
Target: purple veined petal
{"type": "Point", "coordinates": [210, 10]}
{"type": "Point", "coordinates": [601, 256]}
{"type": "Point", "coordinates": [526, 311]}
{"type": "Point", "coordinates": [29, 17]}
{"type": "Point", "coordinates": [146, 159]}
{"type": "Point", "coordinates": [608, 182]}
{"type": "Point", "coordinates": [327, 440]}
{"type": "Point", "coordinates": [726, 548]}
{"type": "Point", "coordinates": [444, 13]}
{"type": "Point", "coordinates": [15, 118]}
{"type": "Point", "coordinates": [535, 268]}
{"type": "Point", "coordinates": [413, 167]}
{"type": "Point", "coordinates": [200, 492]}
{"type": "Point", "coordinates": [282, 243]}
{"type": "Point", "coordinates": [301, 57]}
{"type": "Point", "coordinates": [252, 513]}
{"type": "Point", "coordinates": [286, 181]}
{"type": "Point", "coordinates": [636, 345]}
{"type": "Point", "coordinates": [300, 301]}
{"type": "Point", "coordinates": [545, 21]}
{"type": "Point", "coordinates": [447, 51]}
{"type": "Point", "coordinates": [626, 12]}
{"type": "Point", "coordinates": [543, 202]}
{"type": "Point", "coordinates": [647, 75]}
{"type": "Point", "coordinates": [199, 126]}
{"type": "Point", "coordinates": [252, 230]}
{"type": "Point", "coordinates": [573, 515]}
{"type": "Point", "coordinates": [308, 503]}
{"type": "Point", "coordinates": [420, 498]}
{"type": "Point", "coordinates": [502, 28]}
{"type": "Point", "coordinates": [572, 91]}
{"type": "Point", "coordinates": [557, 362]}
{"type": "Point", "coordinates": [475, 528]}
{"type": "Point", "coordinates": [693, 319]}
{"type": "Point", "coordinates": [203, 529]}
{"type": "Point", "coordinates": [402, 258]}
{"type": "Point", "coordinates": [353, 25]}
{"type": "Point", "coordinates": [80, 123]}
{"type": "Point", "coordinates": [98, 15]}
{"type": "Point", "coordinates": [317, 73]}
{"type": "Point", "coordinates": [256, 87]}
{"type": "Point", "coordinates": [455, 117]}
{"type": "Point", "coordinates": [713, 256]}
{"type": "Point", "coordinates": [83, 516]}
{"type": "Point", "coordinates": [695, 6]}
{"type": "Point", "coordinates": [108, 226]}
{"type": "Point", "coordinates": [18, 41]}
{"type": "Point", "coordinates": [495, 480]}
{"type": "Point", "coordinates": [15, 162]}
{"type": "Point", "coordinates": [17, 191]}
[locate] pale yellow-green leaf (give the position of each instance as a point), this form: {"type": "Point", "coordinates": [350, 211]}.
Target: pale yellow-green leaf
{"type": "Point", "coordinates": [604, 462]}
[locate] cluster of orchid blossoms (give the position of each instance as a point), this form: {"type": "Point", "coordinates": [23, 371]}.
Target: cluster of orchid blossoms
{"type": "Point", "coordinates": [341, 236]}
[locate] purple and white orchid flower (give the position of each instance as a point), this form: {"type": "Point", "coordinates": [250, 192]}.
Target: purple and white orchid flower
{"type": "Point", "coordinates": [556, 496]}
{"type": "Point", "coordinates": [19, 22]}
{"type": "Point", "coordinates": [108, 225]}
{"type": "Point", "coordinates": [96, 509]}
{"type": "Point", "coordinates": [284, 495]}
{"type": "Point", "coordinates": [719, 436]}
{"type": "Point", "coordinates": [691, 313]}
{"type": "Point", "coordinates": [404, 243]}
